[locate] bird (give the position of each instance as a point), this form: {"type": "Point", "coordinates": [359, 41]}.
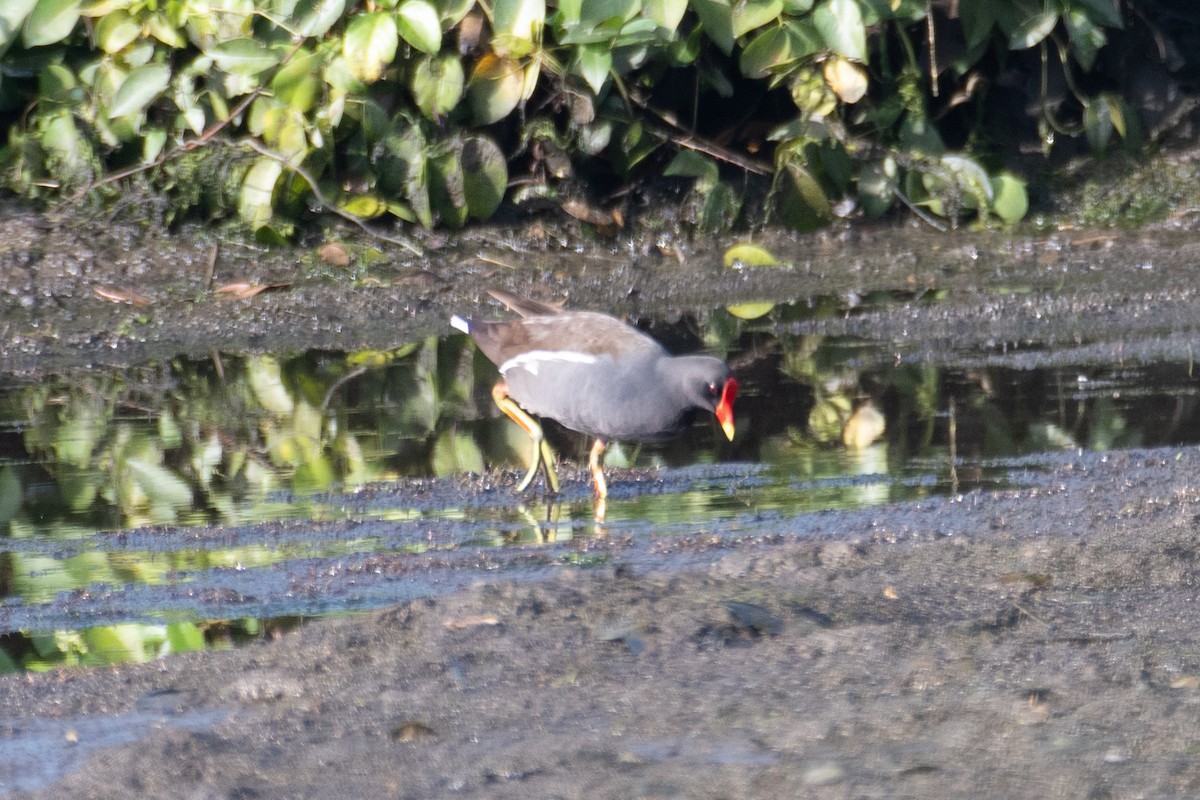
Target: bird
{"type": "Point", "coordinates": [596, 375]}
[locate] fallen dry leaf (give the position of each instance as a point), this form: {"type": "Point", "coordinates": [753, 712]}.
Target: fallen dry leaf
{"type": "Point", "coordinates": [334, 254]}
{"type": "Point", "coordinates": [461, 623]}
{"type": "Point", "coordinates": [241, 290]}
{"type": "Point", "coordinates": [606, 221]}
{"type": "Point", "coordinates": [121, 296]}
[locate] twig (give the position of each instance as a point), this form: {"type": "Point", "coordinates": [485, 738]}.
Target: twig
{"type": "Point", "coordinates": [689, 140]}
{"type": "Point", "coordinates": [349, 376]}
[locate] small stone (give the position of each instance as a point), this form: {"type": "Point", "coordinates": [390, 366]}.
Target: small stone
{"type": "Point", "coordinates": [824, 774]}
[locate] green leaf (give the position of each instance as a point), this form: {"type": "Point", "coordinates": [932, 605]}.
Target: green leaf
{"type": "Point", "coordinates": [364, 206]}
{"type": "Point", "coordinates": [768, 51]}
{"type": "Point", "coordinates": [1086, 37]}
{"type": "Point", "coordinates": [60, 135]}
{"type": "Point", "coordinates": [315, 17]}
{"type": "Point", "coordinates": [116, 30]}
{"type": "Point", "coordinates": [517, 25]}
{"type": "Point", "coordinates": [749, 255]}
{"type": "Point", "coordinates": [1102, 12]}
{"type": "Point", "coordinates": [960, 183]}
{"type": "Point", "coordinates": [802, 204]}
{"type": "Point", "coordinates": [607, 13]}
{"type": "Point", "coordinates": [446, 193]}
{"type": "Point", "coordinates": [977, 19]}
{"type": "Point", "coordinates": [690, 164]}
{"type": "Point", "coordinates": [717, 18]}
{"type": "Point", "coordinates": [419, 25]}
{"type": "Point", "coordinates": [485, 176]}
{"type": "Point", "coordinates": [876, 187]}
{"type": "Point", "coordinates": [841, 26]}
{"type": "Point", "coordinates": [139, 89]}
{"type": "Point", "coordinates": [51, 21]}
{"type": "Point", "coordinates": [158, 26]}
{"type": "Point", "coordinates": [665, 13]}
{"type": "Point", "coordinates": [298, 83]}
{"type": "Point", "coordinates": [1032, 30]}
{"type": "Point", "coordinates": [437, 85]}
{"type": "Point", "coordinates": [12, 15]}
{"type": "Point", "coordinates": [153, 142]}
{"type": "Point", "coordinates": [451, 12]}
{"type": "Point", "coordinates": [1011, 202]}
{"type": "Point", "coordinates": [244, 56]}
{"type": "Point", "coordinates": [258, 187]}
{"type": "Point", "coordinates": [751, 14]}
{"type": "Point", "coordinates": [370, 45]}
{"type": "Point", "coordinates": [57, 84]}
{"type": "Point", "coordinates": [495, 88]}
{"type": "Point", "coordinates": [595, 61]}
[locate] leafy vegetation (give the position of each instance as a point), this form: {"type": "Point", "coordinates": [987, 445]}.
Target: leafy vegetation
{"type": "Point", "coordinates": [436, 111]}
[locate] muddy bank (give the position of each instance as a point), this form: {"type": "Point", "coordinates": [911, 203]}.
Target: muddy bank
{"type": "Point", "coordinates": [89, 292]}
{"type": "Point", "coordinates": [1047, 647]}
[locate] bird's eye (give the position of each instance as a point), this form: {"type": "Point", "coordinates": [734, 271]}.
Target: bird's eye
{"type": "Point", "coordinates": [712, 389]}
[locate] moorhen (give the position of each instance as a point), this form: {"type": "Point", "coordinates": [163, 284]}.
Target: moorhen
{"type": "Point", "coordinates": [596, 375]}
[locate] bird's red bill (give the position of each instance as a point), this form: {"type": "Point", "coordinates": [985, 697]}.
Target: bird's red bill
{"type": "Point", "coordinates": [724, 409]}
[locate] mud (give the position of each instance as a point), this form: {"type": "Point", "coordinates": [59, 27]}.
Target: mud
{"type": "Point", "coordinates": [1024, 643]}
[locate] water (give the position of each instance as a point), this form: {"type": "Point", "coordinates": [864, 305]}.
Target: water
{"type": "Point", "coordinates": [199, 503]}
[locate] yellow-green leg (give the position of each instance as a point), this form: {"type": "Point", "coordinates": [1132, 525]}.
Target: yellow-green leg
{"type": "Point", "coordinates": [542, 454]}
{"type": "Point", "coordinates": [594, 462]}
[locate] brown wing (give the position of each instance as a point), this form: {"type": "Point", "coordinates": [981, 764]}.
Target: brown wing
{"type": "Point", "coordinates": [577, 331]}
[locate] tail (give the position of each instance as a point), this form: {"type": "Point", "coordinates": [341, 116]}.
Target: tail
{"type": "Point", "coordinates": [460, 324]}
{"type": "Point", "coordinates": [523, 305]}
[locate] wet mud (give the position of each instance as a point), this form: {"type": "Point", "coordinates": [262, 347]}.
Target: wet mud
{"type": "Point", "coordinates": [1037, 641]}
{"type": "Point", "coordinates": [1029, 643]}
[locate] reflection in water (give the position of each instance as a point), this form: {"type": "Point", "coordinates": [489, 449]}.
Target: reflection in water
{"type": "Point", "coordinates": [179, 473]}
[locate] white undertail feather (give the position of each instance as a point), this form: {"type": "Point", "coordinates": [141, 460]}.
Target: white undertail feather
{"type": "Point", "coordinates": [529, 361]}
{"type": "Point", "coordinates": [460, 324]}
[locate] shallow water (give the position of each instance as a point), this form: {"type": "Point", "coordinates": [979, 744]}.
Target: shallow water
{"type": "Point", "coordinates": [198, 503]}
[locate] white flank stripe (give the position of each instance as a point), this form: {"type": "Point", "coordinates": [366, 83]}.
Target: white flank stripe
{"type": "Point", "coordinates": [460, 324]}
{"type": "Point", "coordinates": [529, 361]}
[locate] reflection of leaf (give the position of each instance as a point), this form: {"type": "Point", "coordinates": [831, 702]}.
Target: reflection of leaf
{"type": "Point", "coordinates": [750, 311]}
{"type": "Point", "coordinates": [865, 425]}
{"type": "Point", "coordinates": [184, 637]}
{"type": "Point", "coordinates": [266, 380]}
{"type": "Point", "coordinates": [456, 452]}
{"type": "Point", "coordinates": [161, 486]}
{"type": "Point", "coordinates": [115, 644]}
{"type": "Point", "coordinates": [10, 494]}
{"type": "Point", "coordinates": [37, 579]}
{"type": "Point", "coordinates": [78, 488]}
{"type": "Point", "coordinates": [314, 475]}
